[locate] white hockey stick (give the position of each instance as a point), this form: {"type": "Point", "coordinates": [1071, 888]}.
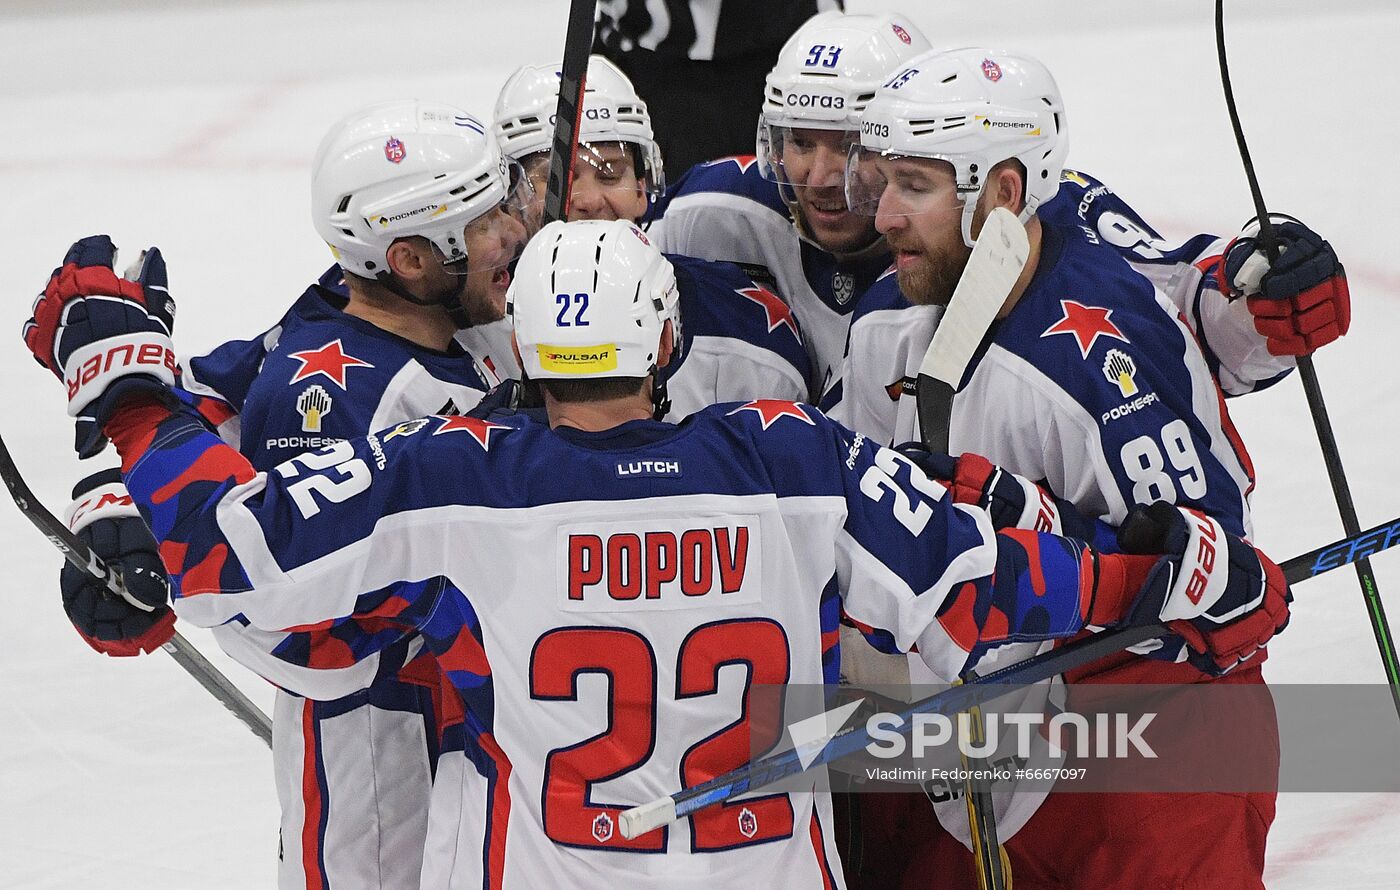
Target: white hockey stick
{"type": "Point", "coordinates": [997, 260]}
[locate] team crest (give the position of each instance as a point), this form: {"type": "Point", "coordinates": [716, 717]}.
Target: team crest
{"type": "Point", "coordinates": [902, 34]}
{"type": "Point", "coordinates": [313, 404]}
{"type": "Point", "coordinates": [991, 70]}
{"type": "Point", "coordinates": [1119, 368]}
{"type": "Point", "coordinates": [394, 151]}
{"type": "Point", "coordinates": [843, 287]}
{"type": "Point", "coordinates": [748, 822]}
{"type": "Point", "coordinates": [602, 828]}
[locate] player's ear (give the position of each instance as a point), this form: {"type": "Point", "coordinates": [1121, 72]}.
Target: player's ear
{"type": "Point", "coordinates": [1006, 187]}
{"type": "Point", "coordinates": [406, 259]}
{"type": "Point", "coordinates": [667, 346]}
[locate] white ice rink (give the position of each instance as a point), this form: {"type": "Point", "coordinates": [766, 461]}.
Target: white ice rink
{"type": "Point", "coordinates": [190, 125]}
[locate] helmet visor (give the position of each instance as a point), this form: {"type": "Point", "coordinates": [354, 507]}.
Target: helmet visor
{"type": "Point", "coordinates": [890, 184]}
{"type": "Point", "coordinates": [508, 224]}
{"type": "Point", "coordinates": [803, 157]}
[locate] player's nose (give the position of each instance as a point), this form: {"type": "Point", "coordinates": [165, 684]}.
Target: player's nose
{"type": "Point", "coordinates": [828, 169]}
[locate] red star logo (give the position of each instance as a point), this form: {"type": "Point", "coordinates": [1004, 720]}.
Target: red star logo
{"type": "Point", "coordinates": [329, 361]}
{"type": "Point", "coordinates": [777, 311]}
{"type": "Point", "coordinates": [1086, 323]}
{"type": "Point", "coordinates": [771, 409]}
{"type": "Point", "coordinates": [480, 430]}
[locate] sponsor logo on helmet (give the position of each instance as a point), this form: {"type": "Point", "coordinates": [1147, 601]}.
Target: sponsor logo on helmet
{"type": "Point", "coordinates": [991, 70]}
{"type": "Point", "coordinates": [870, 128]}
{"type": "Point", "coordinates": [641, 236]}
{"type": "Point", "coordinates": [1025, 127]}
{"type": "Point", "coordinates": [902, 34]}
{"type": "Point", "coordinates": [394, 151]}
{"type": "Point", "coordinates": [434, 209]}
{"type": "Point", "coordinates": [578, 359]}
{"type": "Point", "coordinates": [810, 100]}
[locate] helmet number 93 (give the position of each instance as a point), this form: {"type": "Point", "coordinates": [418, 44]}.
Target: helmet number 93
{"type": "Point", "coordinates": [565, 301]}
{"type": "Point", "coordinates": [823, 56]}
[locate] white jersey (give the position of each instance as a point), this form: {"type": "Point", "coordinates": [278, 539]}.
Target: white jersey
{"type": "Point", "coordinates": [724, 210]}
{"type": "Point", "coordinates": [601, 603]}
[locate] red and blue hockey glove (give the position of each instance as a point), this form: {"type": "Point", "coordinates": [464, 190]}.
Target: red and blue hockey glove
{"type": "Point", "coordinates": [1010, 500]}
{"type": "Point", "coordinates": [1224, 597]}
{"type": "Point", "coordinates": [104, 518]}
{"type": "Point", "coordinates": [1301, 302]}
{"type": "Point", "coordinates": [105, 337]}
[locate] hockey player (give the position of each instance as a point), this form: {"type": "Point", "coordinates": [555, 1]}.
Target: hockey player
{"type": "Point", "coordinates": [369, 345]}
{"type": "Point", "coordinates": [739, 340]}
{"type": "Point", "coordinates": [589, 582]}
{"type": "Point", "coordinates": [783, 214]}
{"type": "Point", "coordinates": [1093, 384]}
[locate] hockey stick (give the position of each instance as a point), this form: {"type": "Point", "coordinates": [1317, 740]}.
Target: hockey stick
{"type": "Point", "coordinates": [1351, 549]}
{"type": "Point", "coordinates": [1341, 491]}
{"type": "Point", "coordinates": [81, 556]}
{"type": "Point", "coordinates": [662, 811]}
{"type": "Point", "coordinates": [578, 42]}
{"type": "Point", "coordinates": [998, 258]}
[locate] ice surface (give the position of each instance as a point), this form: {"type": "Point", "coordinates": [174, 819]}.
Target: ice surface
{"type": "Point", "coordinates": [190, 125]}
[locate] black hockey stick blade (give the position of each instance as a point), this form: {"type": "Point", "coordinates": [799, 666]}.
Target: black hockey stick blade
{"type": "Point", "coordinates": [81, 556]}
{"type": "Point", "coordinates": [997, 260]}
{"type": "Point", "coordinates": [1326, 439]}
{"type": "Point", "coordinates": [573, 76]}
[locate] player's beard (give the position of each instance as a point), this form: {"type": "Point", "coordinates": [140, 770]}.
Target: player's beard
{"type": "Point", "coordinates": [931, 280]}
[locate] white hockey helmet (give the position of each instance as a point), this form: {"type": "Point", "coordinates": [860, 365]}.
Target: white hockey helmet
{"type": "Point", "coordinates": [973, 108]}
{"type": "Point", "coordinates": [827, 73]}
{"type": "Point", "coordinates": [612, 112]}
{"type": "Point", "coordinates": [404, 168]}
{"type": "Point", "coordinates": [590, 300]}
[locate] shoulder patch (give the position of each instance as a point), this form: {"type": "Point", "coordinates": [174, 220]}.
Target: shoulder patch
{"type": "Point", "coordinates": [772, 409]}
{"type": "Point", "coordinates": [480, 430]}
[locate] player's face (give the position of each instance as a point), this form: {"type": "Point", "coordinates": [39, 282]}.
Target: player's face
{"type": "Point", "coordinates": [493, 241]}
{"type": "Point", "coordinates": [920, 215]}
{"type": "Point", "coordinates": [607, 185]}
{"type": "Point", "coordinates": [814, 163]}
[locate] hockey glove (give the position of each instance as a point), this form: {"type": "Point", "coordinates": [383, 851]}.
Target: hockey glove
{"type": "Point", "coordinates": [104, 336]}
{"type": "Point", "coordinates": [104, 518]}
{"type": "Point", "coordinates": [1221, 595]}
{"type": "Point", "coordinates": [1301, 302]}
{"type": "Point", "coordinates": [1010, 500]}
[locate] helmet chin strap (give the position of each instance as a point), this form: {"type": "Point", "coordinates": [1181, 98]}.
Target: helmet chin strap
{"type": "Point", "coordinates": [450, 299]}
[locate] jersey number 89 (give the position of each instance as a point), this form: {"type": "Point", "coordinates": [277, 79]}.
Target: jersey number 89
{"type": "Point", "coordinates": [1145, 466]}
